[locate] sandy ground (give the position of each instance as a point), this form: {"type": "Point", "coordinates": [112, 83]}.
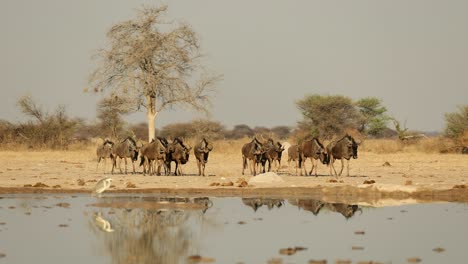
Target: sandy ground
{"type": "Point", "coordinates": [406, 176]}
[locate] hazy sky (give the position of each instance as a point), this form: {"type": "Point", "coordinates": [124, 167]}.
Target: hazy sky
{"type": "Point", "coordinates": [411, 54]}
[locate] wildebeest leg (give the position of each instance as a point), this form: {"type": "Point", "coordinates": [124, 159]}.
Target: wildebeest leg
{"type": "Point", "coordinates": [114, 160]}
{"type": "Point", "coordinates": [244, 163]}
{"type": "Point", "coordinates": [180, 170]}
{"type": "Point", "coordinates": [253, 165]}
{"type": "Point", "coordinates": [313, 165]}
{"type": "Point", "coordinates": [199, 167]}
{"type": "Point", "coordinates": [332, 161]}
{"type": "Point", "coordinates": [176, 167]}
{"type": "Point", "coordinates": [133, 165]}
{"type": "Point", "coordinates": [347, 167]}
{"type": "Point", "coordinates": [303, 165]}
{"type": "Point", "coordinates": [203, 168]}
{"type": "Point", "coordinates": [97, 165]}
{"type": "Point", "coordinates": [120, 165]}
{"type": "Point", "coordinates": [125, 165]}
{"type": "Point", "coordinates": [289, 166]}
{"type": "Point", "coordinates": [342, 166]}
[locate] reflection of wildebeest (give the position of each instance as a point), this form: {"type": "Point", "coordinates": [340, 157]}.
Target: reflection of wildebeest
{"type": "Point", "coordinates": [252, 151]}
{"type": "Point", "coordinates": [344, 148]}
{"type": "Point", "coordinates": [314, 150]}
{"type": "Point", "coordinates": [123, 150]}
{"type": "Point", "coordinates": [256, 203]}
{"type": "Point", "coordinates": [347, 210]}
{"type": "Point", "coordinates": [314, 206]}
{"type": "Point", "coordinates": [201, 151]}
{"type": "Point", "coordinates": [293, 155]}
{"type": "Point", "coordinates": [179, 153]}
{"type": "Point", "coordinates": [153, 152]}
{"type": "Point", "coordinates": [104, 152]}
{"type": "Point", "coordinates": [205, 201]}
{"type": "Point", "coordinates": [272, 153]}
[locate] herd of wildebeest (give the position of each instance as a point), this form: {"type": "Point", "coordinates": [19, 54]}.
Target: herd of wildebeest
{"type": "Point", "coordinates": [160, 153]}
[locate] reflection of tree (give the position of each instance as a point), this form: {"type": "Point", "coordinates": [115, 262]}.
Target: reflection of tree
{"type": "Point", "coordinates": [314, 206]}
{"type": "Point", "coordinates": [151, 235]}
{"type": "Point", "coordinates": [256, 203]}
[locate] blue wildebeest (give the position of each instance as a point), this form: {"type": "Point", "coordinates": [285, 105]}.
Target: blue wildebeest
{"type": "Point", "coordinates": [201, 152]}
{"type": "Point", "coordinates": [252, 151]}
{"type": "Point", "coordinates": [314, 150]}
{"type": "Point", "coordinates": [179, 153]}
{"type": "Point", "coordinates": [123, 150]}
{"type": "Point", "coordinates": [153, 153]}
{"type": "Point", "coordinates": [344, 148]}
{"type": "Point", "coordinates": [104, 152]}
{"type": "Point", "coordinates": [293, 155]}
{"type": "Point", "coordinates": [272, 153]}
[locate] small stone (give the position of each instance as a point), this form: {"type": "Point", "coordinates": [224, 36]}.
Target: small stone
{"type": "Point", "coordinates": [414, 260]}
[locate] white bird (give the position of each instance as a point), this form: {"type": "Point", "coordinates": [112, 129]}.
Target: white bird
{"type": "Point", "coordinates": [102, 223]}
{"type": "Point", "coordinates": [102, 185]}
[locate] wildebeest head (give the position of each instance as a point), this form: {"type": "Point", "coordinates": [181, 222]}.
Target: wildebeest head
{"type": "Point", "coordinates": [320, 151]}
{"type": "Point", "coordinates": [205, 146]}
{"type": "Point", "coordinates": [108, 143]}
{"type": "Point", "coordinates": [352, 146]}
{"type": "Point", "coordinates": [132, 147]}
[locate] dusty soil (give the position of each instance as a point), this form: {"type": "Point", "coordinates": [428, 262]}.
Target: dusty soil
{"type": "Point", "coordinates": [410, 177]}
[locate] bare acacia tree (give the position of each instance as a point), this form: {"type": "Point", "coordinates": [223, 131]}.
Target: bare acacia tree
{"type": "Point", "coordinates": [154, 62]}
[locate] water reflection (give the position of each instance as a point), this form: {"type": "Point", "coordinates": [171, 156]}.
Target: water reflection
{"type": "Point", "coordinates": [102, 223]}
{"type": "Point", "coordinates": [256, 203]}
{"type": "Point", "coordinates": [315, 206]}
{"type": "Point", "coordinates": [150, 229]}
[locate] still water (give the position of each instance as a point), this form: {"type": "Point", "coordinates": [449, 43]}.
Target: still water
{"type": "Point", "coordinates": [150, 229]}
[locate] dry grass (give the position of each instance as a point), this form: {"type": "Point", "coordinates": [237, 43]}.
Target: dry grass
{"type": "Point", "coordinates": [424, 145]}
{"type": "Point", "coordinates": [233, 147]}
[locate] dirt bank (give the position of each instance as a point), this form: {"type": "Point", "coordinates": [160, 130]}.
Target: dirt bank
{"type": "Point", "coordinates": [402, 176]}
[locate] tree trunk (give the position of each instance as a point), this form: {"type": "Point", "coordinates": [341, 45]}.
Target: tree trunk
{"type": "Point", "coordinates": [151, 116]}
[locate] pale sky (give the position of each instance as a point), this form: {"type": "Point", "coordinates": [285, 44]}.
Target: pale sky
{"type": "Point", "coordinates": [411, 54]}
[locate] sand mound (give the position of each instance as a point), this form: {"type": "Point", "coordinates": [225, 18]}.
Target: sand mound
{"type": "Point", "coordinates": [266, 178]}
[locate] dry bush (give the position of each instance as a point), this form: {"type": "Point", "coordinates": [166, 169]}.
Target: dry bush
{"type": "Point", "coordinates": [382, 145]}
{"type": "Point", "coordinates": [425, 145]}
{"type": "Point", "coordinates": [433, 145]}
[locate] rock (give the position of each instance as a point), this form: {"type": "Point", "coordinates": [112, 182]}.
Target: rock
{"type": "Point", "coordinates": [266, 178]}
{"type": "Point", "coordinates": [80, 182]}
{"type": "Point", "coordinates": [40, 185]}
{"type": "Point", "coordinates": [243, 184]}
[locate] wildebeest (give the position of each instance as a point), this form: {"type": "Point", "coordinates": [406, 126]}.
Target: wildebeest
{"type": "Point", "coordinates": [205, 201]}
{"type": "Point", "coordinates": [344, 148]}
{"type": "Point", "coordinates": [179, 153]}
{"type": "Point", "coordinates": [347, 210]}
{"type": "Point", "coordinates": [293, 155]}
{"type": "Point", "coordinates": [104, 152]}
{"type": "Point", "coordinates": [256, 203]}
{"type": "Point", "coordinates": [311, 205]}
{"type": "Point", "coordinates": [123, 150]}
{"type": "Point", "coordinates": [252, 151]}
{"type": "Point", "coordinates": [314, 150]}
{"type": "Point", "coordinates": [315, 206]}
{"type": "Point", "coordinates": [153, 152]}
{"type": "Point", "coordinates": [272, 153]}
{"type": "Point", "coordinates": [201, 152]}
